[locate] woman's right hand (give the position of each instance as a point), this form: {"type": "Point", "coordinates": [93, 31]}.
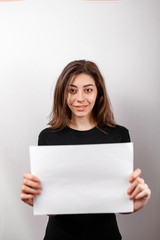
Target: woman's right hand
{"type": "Point", "coordinates": [30, 188]}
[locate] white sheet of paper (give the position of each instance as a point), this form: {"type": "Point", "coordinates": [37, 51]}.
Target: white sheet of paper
{"type": "Point", "coordinates": [82, 178]}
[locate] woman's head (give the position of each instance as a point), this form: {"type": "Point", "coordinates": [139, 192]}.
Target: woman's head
{"type": "Point", "coordinates": [61, 113]}
{"type": "Point", "coordinates": [81, 98]}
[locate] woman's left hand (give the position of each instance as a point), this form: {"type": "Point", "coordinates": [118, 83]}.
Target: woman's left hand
{"type": "Point", "coordinates": [138, 191]}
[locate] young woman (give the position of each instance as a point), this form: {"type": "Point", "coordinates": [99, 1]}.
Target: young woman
{"type": "Point", "coordinates": [82, 115]}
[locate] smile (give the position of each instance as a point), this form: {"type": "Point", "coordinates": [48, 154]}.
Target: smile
{"type": "Point", "coordinates": [81, 107]}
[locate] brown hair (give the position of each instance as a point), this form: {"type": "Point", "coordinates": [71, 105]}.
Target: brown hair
{"type": "Point", "coordinates": [61, 114]}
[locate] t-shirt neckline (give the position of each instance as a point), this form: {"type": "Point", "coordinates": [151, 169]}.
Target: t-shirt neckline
{"type": "Point", "coordinates": [82, 132]}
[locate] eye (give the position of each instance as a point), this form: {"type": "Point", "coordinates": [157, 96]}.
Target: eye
{"type": "Point", "coordinates": [88, 90]}
{"type": "Point", "coordinates": [72, 90]}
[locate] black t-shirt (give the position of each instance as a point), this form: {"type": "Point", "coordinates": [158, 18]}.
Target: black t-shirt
{"type": "Point", "coordinates": [101, 226]}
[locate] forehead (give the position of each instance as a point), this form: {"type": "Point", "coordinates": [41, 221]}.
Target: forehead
{"type": "Point", "coordinates": [82, 80]}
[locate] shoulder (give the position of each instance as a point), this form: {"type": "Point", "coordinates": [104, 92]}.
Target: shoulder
{"type": "Point", "coordinates": [117, 128]}
{"type": "Point", "coordinates": [118, 133]}
{"type": "Point", "coordinates": [44, 135]}
{"type": "Point", "coordinates": [45, 132]}
{"type": "Point", "coordinates": [121, 128]}
{"type": "Point", "coordinates": [50, 136]}
{"type": "Point", "coordinates": [49, 132]}
{"type": "Point", "coordinates": [124, 133]}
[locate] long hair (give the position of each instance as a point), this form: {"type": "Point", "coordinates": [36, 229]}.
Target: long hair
{"type": "Point", "coordinates": [60, 116]}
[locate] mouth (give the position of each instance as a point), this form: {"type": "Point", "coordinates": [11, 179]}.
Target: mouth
{"type": "Point", "coordinates": [81, 107]}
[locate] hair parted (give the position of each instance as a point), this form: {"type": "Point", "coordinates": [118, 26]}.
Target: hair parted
{"type": "Point", "coordinates": [61, 114]}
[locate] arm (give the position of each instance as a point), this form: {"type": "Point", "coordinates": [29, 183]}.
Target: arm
{"type": "Point", "coordinates": [31, 184]}
{"type": "Point", "coordinates": [30, 188]}
{"type": "Point", "coordinates": [138, 191]}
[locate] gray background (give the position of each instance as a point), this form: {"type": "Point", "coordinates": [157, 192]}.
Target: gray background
{"type": "Point", "coordinates": [37, 39]}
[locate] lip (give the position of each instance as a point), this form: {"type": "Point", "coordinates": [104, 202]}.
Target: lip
{"type": "Point", "coordinates": [80, 107]}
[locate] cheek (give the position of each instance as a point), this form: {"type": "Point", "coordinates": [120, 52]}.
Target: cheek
{"type": "Point", "coordinates": [70, 99]}
{"type": "Point", "coordinates": [93, 98]}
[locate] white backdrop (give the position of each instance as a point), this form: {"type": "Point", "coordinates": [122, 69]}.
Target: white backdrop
{"type": "Point", "coordinates": [37, 39]}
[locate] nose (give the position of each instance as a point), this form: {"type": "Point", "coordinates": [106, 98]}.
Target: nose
{"type": "Point", "coordinates": [80, 96]}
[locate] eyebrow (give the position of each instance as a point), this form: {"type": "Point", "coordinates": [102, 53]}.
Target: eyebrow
{"type": "Point", "coordinates": [88, 85]}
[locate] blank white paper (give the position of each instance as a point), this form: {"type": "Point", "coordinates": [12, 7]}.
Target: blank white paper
{"type": "Point", "coordinates": [77, 179]}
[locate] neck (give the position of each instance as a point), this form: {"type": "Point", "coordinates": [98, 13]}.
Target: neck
{"type": "Point", "coordinates": [82, 124]}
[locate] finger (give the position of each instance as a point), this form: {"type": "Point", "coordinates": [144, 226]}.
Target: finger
{"type": "Point", "coordinates": [136, 173]}
{"type": "Point", "coordinates": [140, 188]}
{"type": "Point", "coordinates": [30, 177]}
{"type": "Point", "coordinates": [26, 196]}
{"type": "Point", "coordinates": [27, 199]}
{"type": "Point", "coordinates": [28, 190]}
{"type": "Point", "coordinates": [134, 185]}
{"type": "Point", "coordinates": [144, 194]}
{"type": "Point", "coordinates": [29, 183]}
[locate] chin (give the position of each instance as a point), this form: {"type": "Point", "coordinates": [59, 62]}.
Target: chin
{"type": "Point", "coordinates": [81, 114]}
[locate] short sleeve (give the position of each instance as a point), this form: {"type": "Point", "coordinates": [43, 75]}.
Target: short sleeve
{"type": "Point", "coordinates": [126, 136]}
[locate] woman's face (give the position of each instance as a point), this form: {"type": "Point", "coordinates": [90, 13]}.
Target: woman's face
{"type": "Point", "coordinates": [82, 94]}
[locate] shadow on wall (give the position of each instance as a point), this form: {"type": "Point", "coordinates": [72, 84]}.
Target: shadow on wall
{"type": "Point", "coordinates": [141, 118]}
